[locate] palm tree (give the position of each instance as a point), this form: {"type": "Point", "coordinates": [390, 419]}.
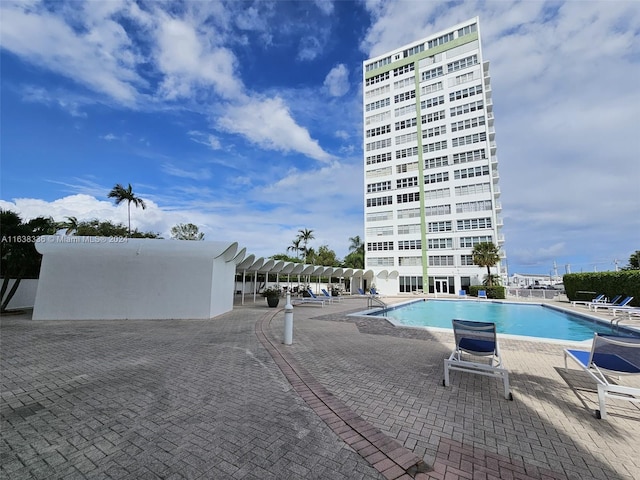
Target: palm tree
{"type": "Point", "coordinates": [186, 231]}
{"type": "Point", "coordinates": [485, 254]}
{"type": "Point", "coordinates": [71, 225]}
{"type": "Point", "coordinates": [304, 236]}
{"type": "Point", "coordinates": [120, 194]}
{"type": "Point", "coordinates": [295, 246]}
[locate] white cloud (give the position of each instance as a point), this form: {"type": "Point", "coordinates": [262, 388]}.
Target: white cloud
{"type": "Point", "coordinates": [267, 122]}
{"type": "Point", "coordinates": [204, 138]}
{"type": "Point", "coordinates": [337, 81]}
{"type": "Point", "coordinates": [310, 47]}
{"type": "Point", "coordinates": [195, 174]}
{"type": "Point", "coordinates": [325, 6]}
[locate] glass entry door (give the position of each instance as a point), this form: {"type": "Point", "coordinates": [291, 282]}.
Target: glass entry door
{"type": "Point", "coordinates": [442, 285]}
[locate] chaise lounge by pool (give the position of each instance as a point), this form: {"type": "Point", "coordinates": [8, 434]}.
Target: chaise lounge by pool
{"type": "Point", "coordinates": [527, 320]}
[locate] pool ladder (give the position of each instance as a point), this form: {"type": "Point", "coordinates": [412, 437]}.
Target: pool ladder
{"type": "Point", "coordinates": [375, 302]}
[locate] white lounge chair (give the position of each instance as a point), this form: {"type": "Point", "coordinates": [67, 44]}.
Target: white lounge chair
{"type": "Point", "coordinates": [476, 339]}
{"type": "Point", "coordinates": [622, 303]}
{"type": "Point", "coordinates": [482, 294]}
{"type": "Point", "coordinates": [599, 298]}
{"type": "Point", "coordinates": [609, 355]}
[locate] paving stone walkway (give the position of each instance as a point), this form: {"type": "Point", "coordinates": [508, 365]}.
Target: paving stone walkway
{"type": "Point", "coordinates": [350, 399]}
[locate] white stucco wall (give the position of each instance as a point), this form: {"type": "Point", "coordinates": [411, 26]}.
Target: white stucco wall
{"type": "Point", "coordinates": [25, 296]}
{"type": "Point", "coordinates": [134, 279]}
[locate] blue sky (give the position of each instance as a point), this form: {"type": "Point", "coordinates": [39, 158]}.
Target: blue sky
{"type": "Point", "coordinates": [245, 118]}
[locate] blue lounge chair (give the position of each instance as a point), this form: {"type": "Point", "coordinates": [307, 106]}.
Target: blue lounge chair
{"type": "Point", "coordinates": [330, 298]}
{"type": "Point", "coordinates": [482, 294]}
{"type": "Point", "coordinates": [609, 355]}
{"type": "Point", "coordinates": [622, 303]}
{"type": "Point", "coordinates": [374, 292]}
{"type": "Point", "coordinates": [462, 294]}
{"type": "Point", "coordinates": [476, 339]}
{"type": "Point", "coordinates": [361, 291]}
{"type": "Point", "coordinates": [312, 299]}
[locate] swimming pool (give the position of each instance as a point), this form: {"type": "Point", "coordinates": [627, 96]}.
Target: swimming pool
{"type": "Point", "coordinates": [529, 320]}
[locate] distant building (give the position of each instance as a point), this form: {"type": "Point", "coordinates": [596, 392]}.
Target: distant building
{"type": "Point", "coordinates": [430, 164]}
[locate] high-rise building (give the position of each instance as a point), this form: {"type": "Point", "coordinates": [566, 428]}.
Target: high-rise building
{"type": "Point", "coordinates": [430, 164]}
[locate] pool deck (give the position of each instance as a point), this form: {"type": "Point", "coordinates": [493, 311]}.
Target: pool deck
{"type": "Point", "coordinates": [352, 398]}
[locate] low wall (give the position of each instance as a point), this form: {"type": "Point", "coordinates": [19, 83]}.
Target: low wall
{"type": "Point", "coordinates": [25, 297]}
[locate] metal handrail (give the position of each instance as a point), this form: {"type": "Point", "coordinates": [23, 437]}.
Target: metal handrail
{"type": "Point", "coordinates": [371, 300]}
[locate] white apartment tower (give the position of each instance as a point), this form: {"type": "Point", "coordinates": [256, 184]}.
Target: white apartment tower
{"type": "Point", "coordinates": [430, 165]}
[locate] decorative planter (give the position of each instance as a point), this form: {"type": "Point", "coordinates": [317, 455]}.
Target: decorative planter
{"type": "Point", "coordinates": [273, 301]}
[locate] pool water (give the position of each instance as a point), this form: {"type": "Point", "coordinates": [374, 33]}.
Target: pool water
{"type": "Point", "coordinates": [510, 318]}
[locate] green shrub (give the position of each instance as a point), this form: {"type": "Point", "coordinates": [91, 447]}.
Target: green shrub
{"type": "Point", "coordinates": [580, 286]}
{"type": "Point", "coordinates": [497, 291]}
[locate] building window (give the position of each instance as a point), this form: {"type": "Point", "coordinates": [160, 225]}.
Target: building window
{"type": "Point", "coordinates": [433, 73]}
{"type": "Point", "coordinates": [433, 117]}
{"type": "Point", "coordinates": [473, 206]}
{"type": "Point", "coordinates": [380, 231]}
{"type": "Point", "coordinates": [436, 162]}
{"type": "Point", "coordinates": [378, 64]}
{"type": "Point", "coordinates": [405, 82]}
{"type": "Point", "coordinates": [378, 144]}
{"type": "Point", "coordinates": [437, 210]}
{"type": "Point", "coordinates": [385, 102]}
{"type": "Point", "coordinates": [381, 157]}
{"type": "Point", "coordinates": [407, 152]}
{"type": "Point", "coordinates": [376, 92]}
{"type": "Point", "coordinates": [379, 216]}
{"type": "Point", "coordinates": [434, 87]}
{"type": "Point", "coordinates": [441, 260]}
{"type": "Point", "coordinates": [433, 147]}
{"type": "Point", "coordinates": [413, 50]}
{"type": "Point", "coordinates": [464, 78]}
{"type": "Point", "coordinates": [407, 182]}
{"type": "Point", "coordinates": [374, 132]}
{"type": "Point", "coordinates": [439, 243]}
{"type": "Point", "coordinates": [462, 63]}
{"type": "Point", "coordinates": [408, 197]}
{"type": "Point", "coordinates": [379, 187]}
{"type": "Point", "coordinates": [408, 213]}
{"type": "Point", "coordinates": [465, 92]}
{"type": "Point", "coordinates": [404, 96]}
{"type": "Point", "coordinates": [404, 69]}
{"type": "Point", "coordinates": [379, 172]}
{"type": "Point", "coordinates": [436, 177]}
{"type": "Point", "coordinates": [469, 139]}
{"type": "Point", "coordinates": [380, 261]}
{"type": "Point", "coordinates": [407, 138]}
{"type": "Point", "coordinates": [437, 193]}
{"type": "Point", "coordinates": [411, 122]}
{"type": "Point", "coordinates": [466, 260]}
{"type": "Point", "coordinates": [398, 112]}
{"type": "Point", "coordinates": [474, 224]}
{"type": "Point", "coordinates": [377, 79]}
{"type": "Point", "coordinates": [469, 156]}
{"type": "Point", "coordinates": [432, 102]}
{"type": "Point", "coordinates": [435, 227]}
{"type": "Point", "coordinates": [467, 30]}
{"type": "Point", "coordinates": [471, 172]}
{"type": "Point", "coordinates": [410, 245]}
{"type": "Point", "coordinates": [411, 283]}
{"type": "Point", "coordinates": [376, 202]}
{"type": "Point", "coordinates": [435, 131]}
{"type": "Point", "coordinates": [407, 167]}
{"type": "Point", "coordinates": [470, 242]}
{"type": "Point", "coordinates": [409, 229]}
{"type": "Point", "coordinates": [440, 40]}
{"type": "Point", "coordinates": [466, 108]}
{"type": "Point", "coordinates": [379, 117]}
{"type": "Point", "coordinates": [379, 246]}
{"type": "Point", "coordinates": [468, 123]}
{"type": "Point", "coordinates": [473, 189]}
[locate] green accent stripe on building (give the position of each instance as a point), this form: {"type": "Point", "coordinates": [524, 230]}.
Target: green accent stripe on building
{"type": "Point", "coordinates": [423, 218]}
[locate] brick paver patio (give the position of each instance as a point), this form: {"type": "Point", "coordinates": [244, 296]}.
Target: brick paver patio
{"type": "Point", "coordinates": [223, 398]}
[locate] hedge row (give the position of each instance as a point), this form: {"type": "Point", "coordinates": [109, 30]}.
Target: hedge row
{"type": "Point", "coordinates": [584, 286]}
{"type": "Point", "coordinates": [497, 291]}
